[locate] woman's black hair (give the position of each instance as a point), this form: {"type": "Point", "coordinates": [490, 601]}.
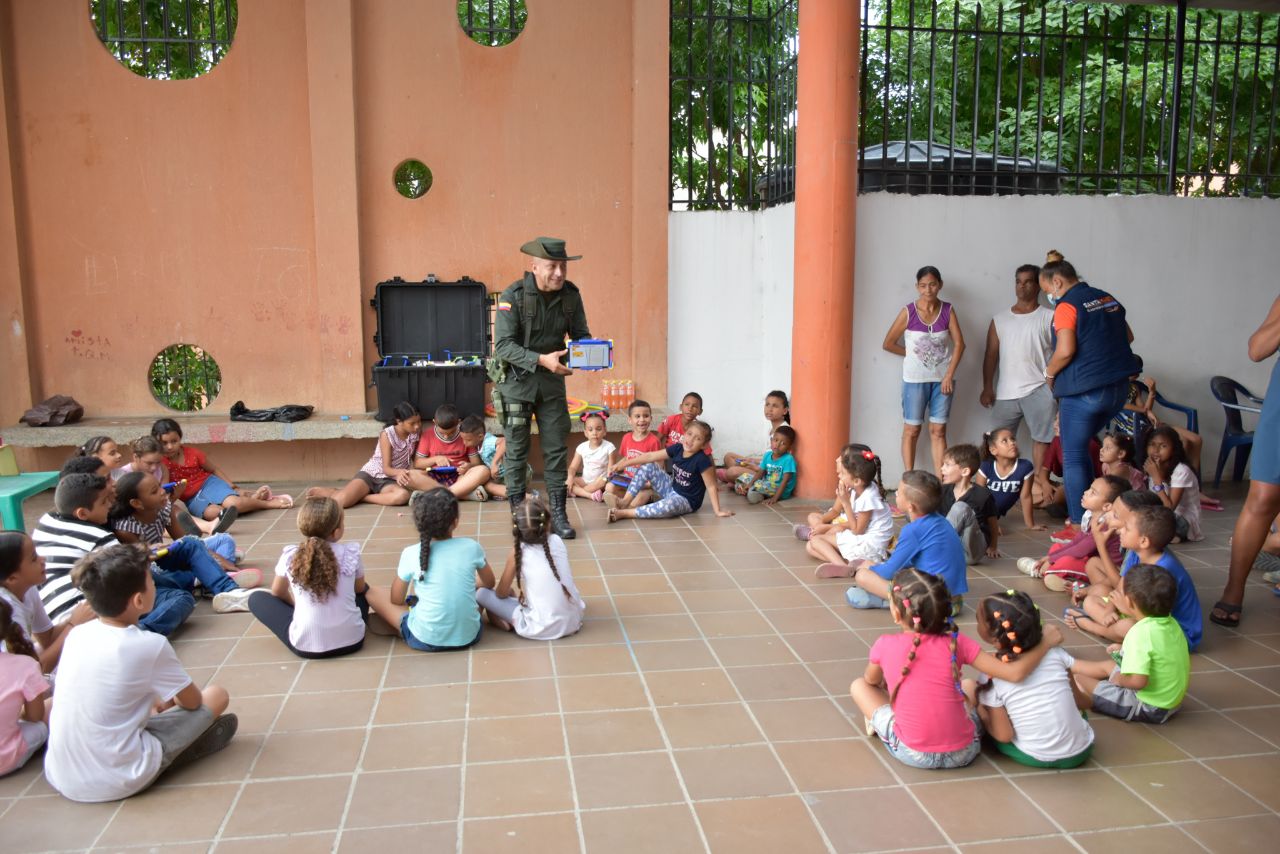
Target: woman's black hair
{"type": "Point", "coordinates": [126, 490]}
{"type": "Point", "coordinates": [781, 395]}
{"type": "Point", "coordinates": [1056, 265]}
{"type": "Point", "coordinates": [928, 270]}
{"type": "Point", "coordinates": [434, 513]}
{"type": "Point", "coordinates": [165, 425]}
{"type": "Point", "coordinates": [403, 411]}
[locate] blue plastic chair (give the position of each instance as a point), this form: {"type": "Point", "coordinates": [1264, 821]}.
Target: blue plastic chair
{"type": "Point", "coordinates": [1142, 426]}
{"type": "Point", "coordinates": [1228, 392]}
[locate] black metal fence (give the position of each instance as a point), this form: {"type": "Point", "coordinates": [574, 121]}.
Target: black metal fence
{"type": "Point", "coordinates": [1053, 97]}
{"type": "Point", "coordinates": [493, 23]}
{"type": "Point", "coordinates": [733, 119]}
{"type": "Point", "coordinates": [184, 377]}
{"type": "Point", "coordinates": [166, 39]}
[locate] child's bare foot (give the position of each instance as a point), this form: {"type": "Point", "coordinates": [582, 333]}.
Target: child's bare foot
{"type": "Point", "coordinates": [613, 515]}
{"type": "Point", "coordinates": [282, 502]}
{"type": "Point", "coordinates": [610, 500]}
{"type": "Point", "coordinates": [498, 623]}
{"type": "Point", "coordinates": [262, 493]}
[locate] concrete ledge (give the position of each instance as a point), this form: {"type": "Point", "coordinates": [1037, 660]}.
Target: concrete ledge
{"type": "Point", "coordinates": [214, 430]}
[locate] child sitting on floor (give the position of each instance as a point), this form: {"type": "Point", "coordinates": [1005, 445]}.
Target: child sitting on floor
{"type": "Point", "coordinates": [868, 527]}
{"type": "Point", "coordinates": [1146, 534]}
{"type": "Point", "coordinates": [23, 689]}
{"type": "Point", "coordinates": [317, 607]}
{"type": "Point", "coordinates": [911, 694]}
{"type": "Point", "coordinates": [143, 513]}
{"type": "Point", "coordinates": [1171, 478]}
{"type": "Point", "coordinates": [1066, 563]}
{"type": "Point", "coordinates": [384, 479]}
{"type": "Point", "coordinates": [673, 427]}
{"type": "Point", "coordinates": [1116, 456]}
{"type": "Point", "coordinates": [444, 572]}
{"type": "Point", "coordinates": [1007, 475]}
{"type": "Point", "coordinates": [777, 411]}
{"type": "Point", "coordinates": [970, 508]}
{"type": "Point", "coordinates": [638, 441]}
{"type": "Point", "coordinates": [126, 710]}
{"type": "Point", "coordinates": [927, 543]}
{"type": "Point", "coordinates": [821, 523]}
{"type": "Point", "coordinates": [1150, 680]}
{"type": "Point", "coordinates": [208, 492]}
{"type": "Point", "coordinates": [21, 574]}
{"type": "Point", "coordinates": [146, 456]}
{"type": "Point", "coordinates": [449, 456]}
{"type": "Point", "coordinates": [678, 493]}
{"type": "Point", "coordinates": [493, 452]}
{"type": "Point", "coordinates": [105, 449]}
{"type": "Point", "coordinates": [1036, 722]}
{"type": "Point", "coordinates": [773, 479]}
{"type": "Point", "coordinates": [589, 469]}
{"type": "Point", "coordinates": [548, 605]}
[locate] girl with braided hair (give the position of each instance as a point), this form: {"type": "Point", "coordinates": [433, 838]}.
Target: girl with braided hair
{"type": "Point", "coordinates": [1035, 722]}
{"type": "Point", "coordinates": [444, 572]}
{"type": "Point", "coordinates": [317, 604]}
{"type": "Point", "coordinates": [911, 691]}
{"type": "Point", "coordinates": [548, 605]}
{"type": "Point", "coordinates": [22, 691]}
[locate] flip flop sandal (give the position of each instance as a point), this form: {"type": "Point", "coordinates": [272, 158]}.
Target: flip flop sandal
{"type": "Point", "coordinates": [187, 524]}
{"type": "Point", "coordinates": [1231, 618]}
{"type": "Point", "coordinates": [613, 517]}
{"type": "Point", "coordinates": [1074, 614]}
{"type": "Point", "coordinates": [226, 519]}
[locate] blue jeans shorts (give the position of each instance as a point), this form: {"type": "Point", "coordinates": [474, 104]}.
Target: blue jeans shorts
{"type": "Point", "coordinates": [882, 720]}
{"type": "Point", "coordinates": [215, 490]}
{"type": "Point", "coordinates": [421, 646]}
{"type": "Point", "coordinates": [917, 397]}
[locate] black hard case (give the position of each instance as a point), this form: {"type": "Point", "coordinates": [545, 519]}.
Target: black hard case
{"type": "Point", "coordinates": [435, 321]}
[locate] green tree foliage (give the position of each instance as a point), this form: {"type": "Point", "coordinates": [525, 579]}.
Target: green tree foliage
{"type": "Point", "coordinates": [1088, 87]}
{"type": "Point", "coordinates": [184, 377]}
{"type": "Point", "coordinates": [166, 39]}
{"type": "Point", "coordinates": [492, 23]}
{"type": "Point", "coordinates": [413, 179]}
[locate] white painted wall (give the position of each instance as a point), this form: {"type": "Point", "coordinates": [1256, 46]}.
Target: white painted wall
{"type": "Point", "coordinates": [730, 317]}
{"type": "Point", "coordinates": [1194, 274]}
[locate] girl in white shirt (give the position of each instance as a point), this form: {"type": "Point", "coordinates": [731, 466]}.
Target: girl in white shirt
{"type": "Point", "coordinates": [868, 525]}
{"type": "Point", "coordinates": [548, 605]}
{"type": "Point", "coordinates": [589, 468]}
{"type": "Point", "coordinates": [317, 603]}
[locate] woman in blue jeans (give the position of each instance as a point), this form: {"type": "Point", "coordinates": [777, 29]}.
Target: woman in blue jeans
{"type": "Point", "coordinates": [1090, 368]}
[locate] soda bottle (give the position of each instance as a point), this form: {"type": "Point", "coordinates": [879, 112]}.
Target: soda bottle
{"type": "Point", "coordinates": [630, 394]}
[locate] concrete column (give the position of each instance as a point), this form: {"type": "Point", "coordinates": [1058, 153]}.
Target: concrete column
{"type": "Point", "coordinates": [826, 193]}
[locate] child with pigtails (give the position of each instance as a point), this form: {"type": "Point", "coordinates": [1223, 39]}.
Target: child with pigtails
{"type": "Point", "coordinates": [911, 694]}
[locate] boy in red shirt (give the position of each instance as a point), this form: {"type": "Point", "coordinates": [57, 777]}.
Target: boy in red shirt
{"type": "Point", "coordinates": [638, 441]}
{"type": "Point", "coordinates": [449, 456]}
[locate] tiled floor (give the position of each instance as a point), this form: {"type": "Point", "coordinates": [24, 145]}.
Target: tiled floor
{"type": "Point", "coordinates": [704, 706]}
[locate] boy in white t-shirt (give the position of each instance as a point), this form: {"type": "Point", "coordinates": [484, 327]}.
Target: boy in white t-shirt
{"type": "Point", "coordinates": [126, 709]}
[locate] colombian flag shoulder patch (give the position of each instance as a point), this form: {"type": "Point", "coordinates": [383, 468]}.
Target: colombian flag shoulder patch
{"type": "Point", "coordinates": [504, 306]}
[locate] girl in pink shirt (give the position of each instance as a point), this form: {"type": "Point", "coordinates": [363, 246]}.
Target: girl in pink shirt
{"type": "Point", "coordinates": [911, 694]}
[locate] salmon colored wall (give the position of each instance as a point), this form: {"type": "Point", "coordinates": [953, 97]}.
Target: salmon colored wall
{"type": "Point", "coordinates": [252, 211]}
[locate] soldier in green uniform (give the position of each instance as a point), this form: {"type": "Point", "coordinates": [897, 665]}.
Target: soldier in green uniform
{"type": "Point", "coordinates": [534, 315]}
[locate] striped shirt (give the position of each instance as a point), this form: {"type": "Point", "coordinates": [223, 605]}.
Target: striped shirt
{"type": "Point", "coordinates": [152, 533]}
{"type": "Point", "coordinates": [62, 541]}
{"type": "Point", "coordinates": [401, 454]}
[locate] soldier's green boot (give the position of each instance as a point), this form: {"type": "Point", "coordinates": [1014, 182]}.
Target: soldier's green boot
{"type": "Point", "coordinates": [559, 518]}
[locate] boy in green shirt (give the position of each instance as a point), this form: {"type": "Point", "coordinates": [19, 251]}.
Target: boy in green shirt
{"type": "Point", "coordinates": [1155, 665]}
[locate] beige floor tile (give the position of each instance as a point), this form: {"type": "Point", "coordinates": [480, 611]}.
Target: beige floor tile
{"type": "Point", "coordinates": [815, 619]}
{"type": "Point", "coordinates": [1257, 775]}
{"type": "Point", "coordinates": [511, 739]}
{"type": "Point", "coordinates": [52, 822]}
{"type": "Point", "coordinates": [1187, 791]}
{"type": "Point", "coordinates": [612, 732]}
{"type": "Point", "coordinates": [231, 764]}
{"type": "Point", "coordinates": [628, 566]}
{"type": "Point", "coordinates": [289, 806]}
{"type": "Point", "coordinates": [648, 604]}
{"type": "Point", "coordinates": [539, 834]}
{"type": "Point", "coordinates": [732, 624]}
{"type": "Point", "coordinates": [517, 697]}
{"type": "Point", "coordinates": [526, 662]}
{"type": "Point", "coordinates": [310, 843]}
{"type": "Point", "coordinates": [1083, 800]}
{"type": "Point", "coordinates": [839, 645]}
{"type": "Point", "coordinates": [249, 680]}
{"type": "Point", "coordinates": [1163, 838]}
{"type": "Point", "coordinates": [392, 748]}
{"type": "Point", "coordinates": [1263, 722]}
{"type": "Point", "coordinates": [1042, 845]}
{"type": "Point", "coordinates": [304, 754]}
{"type": "Point", "coordinates": [715, 579]}
{"type": "Point", "coordinates": [685, 687]}
{"type": "Point", "coordinates": [959, 807]}
{"type": "Point", "coordinates": [1226, 690]}
{"type": "Point", "coordinates": [512, 788]}
{"type": "Point", "coordinates": [407, 671]}
{"type": "Point", "coordinates": [764, 825]}
{"type": "Point", "coordinates": [598, 693]}
{"type": "Point", "coordinates": [630, 583]}
{"type": "Point", "coordinates": [16, 783]}
{"type": "Point", "coordinates": [324, 675]}
{"type": "Point", "coordinates": [589, 660]}
{"type": "Point", "coordinates": [326, 711]}
{"type": "Point", "coordinates": [715, 601]}
{"type": "Point", "coordinates": [164, 816]}
{"type": "Point", "coordinates": [641, 830]}
{"type": "Point", "coordinates": [417, 837]}
{"type": "Point", "coordinates": [755, 650]}
{"type": "Point", "coordinates": [379, 797]}
{"type": "Point", "coordinates": [841, 764]}
{"type": "Point", "coordinates": [414, 705]}
{"type": "Point", "coordinates": [803, 720]}
{"type": "Point", "coordinates": [661, 628]}
{"type": "Point", "coordinates": [873, 819]}
{"type": "Point", "coordinates": [673, 655]}
{"type": "Point", "coordinates": [1124, 743]}
{"type": "Point", "coordinates": [1210, 734]}
{"type": "Point", "coordinates": [709, 725]}
{"type": "Point", "coordinates": [741, 771]}
{"type": "Point", "coordinates": [1254, 833]}
{"type": "Point", "coordinates": [775, 682]}
{"type": "Point", "coordinates": [213, 652]}
{"type": "Point", "coordinates": [624, 780]}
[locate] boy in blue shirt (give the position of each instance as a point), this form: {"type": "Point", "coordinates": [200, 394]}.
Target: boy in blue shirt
{"type": "Point", "coordinates": [1146, 534]}
{"type": "Point", "coordinates": [927, 542]}
{"type": "Point", "coordinates": [774, 479]}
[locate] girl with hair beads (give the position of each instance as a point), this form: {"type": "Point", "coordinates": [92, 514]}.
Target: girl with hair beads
{"type": "Point", "coordinates": [317, 605]}
{"type": "Point", "coordinates": [548, 605]}
{"type": "Point", "coordinates": [1116, 456]}
{"type": "Point", "coordinates": [868, 525]}
{"type": "Point", "coordinates": [105, 449]}
{"type": "Point", "coordinates": [777, 411]}
{"type": "Point", "coordinates": [444, 572]}
{"type": "Point", "coordinates": [1007, 475]}
{"type": "Point", "coordinates": [384, 479]}
{"type": "Point", "coordinates": [23, 729]}
{"type": "Point", "coordinates": [1170, 477]}
{"type": "Point", "coordinates": [677, 493]}
{"type": "Point", "coordinates": [911, 693]}
{"type": "Point", "coordinates": [21, 574]}
{"type": "Point", "coordinates": [589, 468]}
{"type": "Point", "coordinates": [1036, 722]}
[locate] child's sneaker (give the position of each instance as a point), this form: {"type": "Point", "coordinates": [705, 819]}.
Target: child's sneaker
{"type": "Point", "coordinates": [1027, 566]}
{"type": "Point", "coordinates": [754, 497]}
{"type": "Point", "coordinates": [216, 737]}
{"type": "Point", "coordinates": [802, 532]}
{"type": "Point", "coordinates": [232, 600]}
{"type": "Point", "coordinates": [1066, 535]}
{"type": "Point", "coordinates": [859, 598]}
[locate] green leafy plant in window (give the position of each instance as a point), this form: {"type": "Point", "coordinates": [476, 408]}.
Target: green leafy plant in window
{"type": "Point", "coordinates": [184, 377]}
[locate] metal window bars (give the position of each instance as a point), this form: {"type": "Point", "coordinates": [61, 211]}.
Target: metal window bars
{"type": "Point", "coordinates": [166, 39]}
{"type": "Point", "coordinates": [184, 377]}
{"type": "Point", "coordinates": [492, 23]}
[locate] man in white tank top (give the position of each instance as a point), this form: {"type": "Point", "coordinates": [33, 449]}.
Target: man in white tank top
{"type": "Point", "coordinates": [1019, 344]}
